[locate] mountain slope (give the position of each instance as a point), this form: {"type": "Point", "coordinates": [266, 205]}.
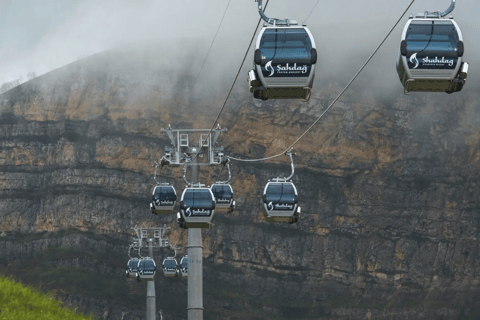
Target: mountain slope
{"type": "Point", "coordinates": [388, 190]}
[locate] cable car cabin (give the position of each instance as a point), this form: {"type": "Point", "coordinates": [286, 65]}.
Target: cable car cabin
{"type": "Point", "coordinates": [223, 194]}
{"type": "Point", "coordinates": [170, 267]}
{"type": "Point", "coordinates": [184, 266]}
{"type": "Point", "coordinates": [284, 63]}
{"type": "Point", "coordinates": [196, 208]}
{"type": "Point", "coordinates": [280, 202]}
{"type": "Point", "coordinates": [146, 269]}
{"type": "Point", "coordinates": [430, 58]}
{"type": "Point", "coordinates": [132, 268]}
{"type": "Point", "coordinates": [163, 199]}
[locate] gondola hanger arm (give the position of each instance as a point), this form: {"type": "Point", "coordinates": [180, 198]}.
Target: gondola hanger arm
{"type": "Point", "coordinates": [273, 21]}
{"type": "Point", "coordinates": [189, 184]}
{"type": "Point", "coordinates": [163, 162]}
{"type": "Point", "coordinates": [227, 164]}
{"type": "Point", "coordinates": [438, 14]}
{"type": "Point", "coordinates": [185, 173]}
{"type": "Point", "coordinates": [290, 154]}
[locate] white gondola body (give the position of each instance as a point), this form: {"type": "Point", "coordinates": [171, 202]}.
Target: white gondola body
{"type": "Point", "coordinates": [223, 194]}
{"type": "Point", "coordinates": [170, 267]}
{"type": "Point", "coordinates": [132, 267]}
{"type": "Point", "coordinates": [431, 62]}
{"type": "Point", "coordinates": [163, 199]}
{"type": "Point", "coordinates": [197, 207]}
{"type": "Point", "coordinates": [287, 68]}
{"type": "Point", "coordinates": [184, 266]}
{"type": "Point", "coordinates": [281, 207]}
{"type": "Point", "coordinates": [146, 269]}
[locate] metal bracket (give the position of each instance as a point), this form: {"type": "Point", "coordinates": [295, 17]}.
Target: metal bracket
{"type": "Point", "coordinates": [130, 249]}
{"type": "Point", "coordinates": [226, 163]}
{"type": "Point", "coordinates": [437, 14]}
{"type": "Point", "coordinates": [189, 184]}
{"type": "Point", "coordinates": [185, 173]}
{"type": "Point", "coordinates": [155, 172]}
{"type": "Point", "coordinates": [169, 132]}
{"type": "Point", "coordinates": [273, 21]}
{"type": "Point", "coordinates": [290, 154]}
{"type": "Point", "coordinates": [157, 235]}
{"type": "Point", "coordinates": [183, 147]}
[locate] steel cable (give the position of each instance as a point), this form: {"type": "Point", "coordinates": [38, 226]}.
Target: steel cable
{"type": "Point", "coordinates": [311, 12]}
{"type": "Point", "coordinates": [211, 45]}
{"type": "Point", "coordinates": [336, 99]}
{"type": "Point", "coordinates": [231, 88]}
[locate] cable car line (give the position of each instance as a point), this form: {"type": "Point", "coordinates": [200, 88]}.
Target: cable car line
{"type": "Point", "coordinates": [211, 45]}
{"type": "Point", "coordinates": [304, 21]}
{"type": "Point", "coordinates": [289, 149]}
{"type": "Point", "coordinates": [231, 88]}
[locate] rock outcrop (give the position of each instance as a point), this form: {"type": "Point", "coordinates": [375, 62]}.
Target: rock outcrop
{"type": "Point", "coordinates": [388, 189]}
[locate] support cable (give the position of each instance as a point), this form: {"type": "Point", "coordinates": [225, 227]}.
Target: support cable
{"type": "Point", "coordinates": [211, 45]}
{"type": "Point", "coordinates": [311, 12]}
{"type": "Point", "coordinates": [336, 99]}
{"type": "Point", "coordinates": [231, 88]}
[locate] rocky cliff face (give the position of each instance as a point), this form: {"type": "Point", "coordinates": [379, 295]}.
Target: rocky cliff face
{"type": "Point", "coordinates": [388, 189]}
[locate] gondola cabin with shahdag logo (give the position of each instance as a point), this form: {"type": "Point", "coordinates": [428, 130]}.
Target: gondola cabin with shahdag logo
{"type": "Point", "coordinates": [223, 194]}
{"type": "Point", "coordinates": [280, 202]}
{"type": "Point", "coordinates": [170, 267]}
{"type": "Point", "coordinates": [284, 63]}
{"type": "Point", "coordinates": [146, 269]}
{"type": "Point", "coordinates": [197, 207]}
{"type": "Point", "coordinates": [132, 268]}
{"type": "Point", "coordinates": [164, 197]}
{"type": "Point", "coordinates": [431, 54]}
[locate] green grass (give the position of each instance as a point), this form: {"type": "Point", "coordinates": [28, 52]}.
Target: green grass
{"type": "Point", "coordinates": [43, 272]}
{"type": "Point", "coordinates": [19, 302]}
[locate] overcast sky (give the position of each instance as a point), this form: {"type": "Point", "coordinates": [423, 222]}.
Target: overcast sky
{"type": "Point", "coordinates": [39, 36]}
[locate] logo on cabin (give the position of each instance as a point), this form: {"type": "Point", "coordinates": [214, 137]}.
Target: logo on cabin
{"type": "Point", "coordinates": [270, 206]}
{"type": "Point", "coordinates": [164, 202]}
{"type": "Point", "coordinates": [287, 69]}
{"type": "Point", "coordinates": [269, 67]}
{"type": "Point", "coordinates": [279, 206]}
{"type": "Point", "coordinates": [414, 60]}
{"type": "Point", "coordinates": [431, 62]}
{"type": "Point", "coordinates": [201, 212]}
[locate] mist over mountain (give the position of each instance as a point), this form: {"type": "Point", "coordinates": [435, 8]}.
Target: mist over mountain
{"type": "Point", "coordinates": [387, 184]}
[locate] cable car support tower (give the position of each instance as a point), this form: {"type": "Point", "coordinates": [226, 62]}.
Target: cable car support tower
{"type": "Point", "coordinates": [151, 237]}
{"type": "Point", "coordinates": [205, 153]}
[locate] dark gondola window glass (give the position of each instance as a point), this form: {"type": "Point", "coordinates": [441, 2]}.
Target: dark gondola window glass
{"type": "Point", "coordinates": [149, 265]}
{"type": "Point", "coordinates": [132, 264]}
{"type": "Point", "coordinates": [184, 262]}
{"type": "Point", "coordinates": [170, 264]}
{"type": "Point", "coordinates": [281, 193]}
{"type": "Point", "coordinates": [432, 36]}
{"type": "Point", "coordinates": [288, 195]}
{"type": "Point", "coordinates": [222, 191]}
{"type": "Point", "coordinates": [286, 45]}
{"type": "Point", "coordinates": [165, 194]}
{"type": "Point", "coordinates": [198, 199]}
{"type": "Point", "coordinates": [432, 45]}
